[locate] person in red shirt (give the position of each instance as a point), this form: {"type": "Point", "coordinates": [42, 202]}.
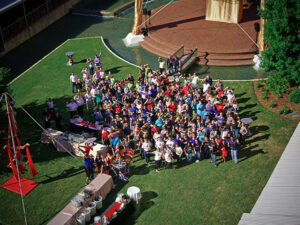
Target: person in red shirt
{"type": "Point", "coordinates": [105, 137]}
{"type": "Point", "coordinates": [154, 129]}
{"type": "Point", "coordinates": [172, 107]}
{"type": "Point", "coordinates": [168, 92]}
{"type": "Point", "coordinates": [149, 103]}
{"type": "Point", "coordinates": [185, 89]}
{"type": "Point", "coordinates": [87, 148]}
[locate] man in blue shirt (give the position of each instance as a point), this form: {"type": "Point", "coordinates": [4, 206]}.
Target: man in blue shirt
{"type": "Point", "coordinates": [89, 165]}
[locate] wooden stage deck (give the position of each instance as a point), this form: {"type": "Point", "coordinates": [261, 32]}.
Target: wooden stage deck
{"type": "Point", "coordinates": [183, 23]}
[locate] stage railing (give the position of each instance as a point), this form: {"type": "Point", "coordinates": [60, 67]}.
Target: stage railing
{"type": "Point", "coordinates": [179, 53]}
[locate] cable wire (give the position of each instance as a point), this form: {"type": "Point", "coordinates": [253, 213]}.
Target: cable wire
{"type": "Point", "coordinates": [15, 156]}
{"type": "Point", "coordinates": [47, 132]}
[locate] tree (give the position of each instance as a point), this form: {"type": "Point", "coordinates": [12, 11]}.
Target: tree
{"type": "Point", "coordinates": [282, 35]}
{"type": "Point", "coordinates": [4, 79]}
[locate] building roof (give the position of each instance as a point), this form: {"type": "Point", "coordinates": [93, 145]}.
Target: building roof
{"type": "Point", "coordinates": [8, 4]}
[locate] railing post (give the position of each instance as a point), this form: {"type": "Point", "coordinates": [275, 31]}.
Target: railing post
{"type": "Point", "coordinates": [2, 38]}
{"type": "Point", "coordinates": [25, 17]}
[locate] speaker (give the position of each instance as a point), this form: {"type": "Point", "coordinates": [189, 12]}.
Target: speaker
{"type": "Point", "coordinates": [257, 27]}
{"type": "Point", "coordinates": [149, 12]}
{"type": "Point", "coordinates": [145, 11]}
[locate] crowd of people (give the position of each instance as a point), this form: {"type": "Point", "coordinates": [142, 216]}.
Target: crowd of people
{"type": "Point", "coordinates": [165, 114]}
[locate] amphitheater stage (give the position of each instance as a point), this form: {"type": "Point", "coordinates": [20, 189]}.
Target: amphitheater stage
{"type": "Point", "coordinates": [220, 44]}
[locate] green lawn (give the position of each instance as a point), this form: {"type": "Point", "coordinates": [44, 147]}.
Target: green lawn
{"type": "Point", "coordinates": [194, 194]}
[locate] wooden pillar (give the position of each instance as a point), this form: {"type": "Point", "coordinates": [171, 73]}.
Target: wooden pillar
{"type": "Point", "coordinates": [138, 17]}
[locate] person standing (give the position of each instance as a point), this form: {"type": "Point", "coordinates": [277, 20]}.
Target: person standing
{"type": "Point", "coordinates": [170, 66]}
{"type": "Point", "coordinates": [79, 101]}
{"type": "Point", "coordinates": [178, 153]}
{"type": "Point", "coordinates": [99, 163]}
{"type": "Point", "coordinates": [176, 64]}
{"type": "Point", "coordinates": [157, 158]}
{"type": "Point", "coordinates": [162, 65]}
{"type": "Point", "coordinates": [79, 85]}
{"type": "Point", "coordinates": [188, 152]}
{"type": "Point", "coordinates": [88, 164]}
{"type": "Point", "coordinates": [197, 149]}
{"type": "Point", "coordinates": [232, 143]}
{"type": "Point", "coordinates": [168, 159]}
{"type": "Point", "coordinates": [72, 108]}
{"type": "Point", "coordinates": [57, 119]}
{"type": "Point", "coordinates": [47, 117]}
{"type": "Point", "coordinates": [50, 105]}
{"type": "Point", "coordinates": [224, 151]}
{"type": "Point", "coordinates": [98, 98]}
{"type": "Point", "coordinates": [213, 151]}
{"type": "Point", "coordinates": [146, 146]}
{"type": "Point", "coordinates": [73, 80]}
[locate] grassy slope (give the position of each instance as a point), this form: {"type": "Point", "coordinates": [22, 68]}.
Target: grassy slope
{"type": "Point", "coordinates": [195, 194]}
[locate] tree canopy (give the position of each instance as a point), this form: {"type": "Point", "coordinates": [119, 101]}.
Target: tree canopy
{"type": "Point", "coordinates": [282, 34]}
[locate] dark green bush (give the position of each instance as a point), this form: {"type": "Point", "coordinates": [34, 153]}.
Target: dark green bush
{"type": "Point", "coordinates": [259, 85]}
{"type": "Point", "coordinates": [295, 96]}
{"type": "Point", "coordinates": [284, 110]}
{"type": "Point", "coordinates": [277, 84]}
{"type": "Point", "coordinates": [272, 105]}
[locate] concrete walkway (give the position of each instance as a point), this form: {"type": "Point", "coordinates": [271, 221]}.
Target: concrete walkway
{"type": "Point", "coordinates": [279, 202]}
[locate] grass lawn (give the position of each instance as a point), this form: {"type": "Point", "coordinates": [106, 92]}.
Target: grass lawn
{"type": "Point", "coordinates": [194, 194]}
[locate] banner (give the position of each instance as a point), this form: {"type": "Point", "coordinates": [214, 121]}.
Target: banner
{"type": "Point", "coordinates": [32, 169]}
{"type": "Point", "coordinates": [229, 11]}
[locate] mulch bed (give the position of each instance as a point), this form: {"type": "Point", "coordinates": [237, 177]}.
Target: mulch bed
{"type": "Point", "coordinates": [280, 102]}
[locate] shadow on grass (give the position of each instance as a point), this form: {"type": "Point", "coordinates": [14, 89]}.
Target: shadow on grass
{"type": "Point", "coordinates": [64, 174]}
{"type": "Point", "coordinates": [249, 106]}
{"type": "Point", "coordinates": [144, 204]}
{"type": "Point", "coordinates": [116, 69]}
{"type": "Point", "coordinates": [249, 114]}
{"type": "Point", "coordinates": [250, 151]}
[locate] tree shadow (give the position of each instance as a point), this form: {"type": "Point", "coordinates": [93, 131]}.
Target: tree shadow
{"type": "Point", "coordinates": [140, 170]}
{"type": "Point", "coordinates": [249, 114]}
{"type": "Point", "coordinates": [81, 61]}
{"type": "Point", "coordinates": [259, 129]}
{"type": "Point", "coordinates": [144, 204]}
{"type": "Point", "coordinates": [248, 152]}
{"type": "Point", "coordinates": [116, 69]}
{"type": "Point", "coordinates": [249, 106]}
{"type": "Point", "coordinates": [240, 95]}
{"type": "Point", "coordinates": [243, 100]}
{"type": "Point", "coordinates": [175, 23]}
{"type": "Point", "coordinates": [258, 138]}
{"type": "Point", "coordinates": [64, 174]}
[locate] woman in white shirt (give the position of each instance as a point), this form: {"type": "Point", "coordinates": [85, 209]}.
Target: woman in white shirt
{"type": "Point", "coordinates": [168, 159]}
{"type": "Point", "coordinates": [146, 146]}
{"type": "Point", "coordinates": [88, 99]}
{"type": "Point", "coordinates": [157, 158]}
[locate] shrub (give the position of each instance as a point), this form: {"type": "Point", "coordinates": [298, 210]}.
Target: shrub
{"type": "Point", "coordinates": [295, 96]}
{"type": "Point", "coordinates": [259, 85]}
{"type": "Point", "coordinates": [264, 96]}
{"type": "Point", "coordinates": [272, 105]}
{"type": "Point", "coordinates": [284, 110]}
{"type": "Point", "coordinates": [277, 84]}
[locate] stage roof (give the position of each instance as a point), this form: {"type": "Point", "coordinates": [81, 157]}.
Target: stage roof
{"type": "Point", "coordinates": [8, 4]}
